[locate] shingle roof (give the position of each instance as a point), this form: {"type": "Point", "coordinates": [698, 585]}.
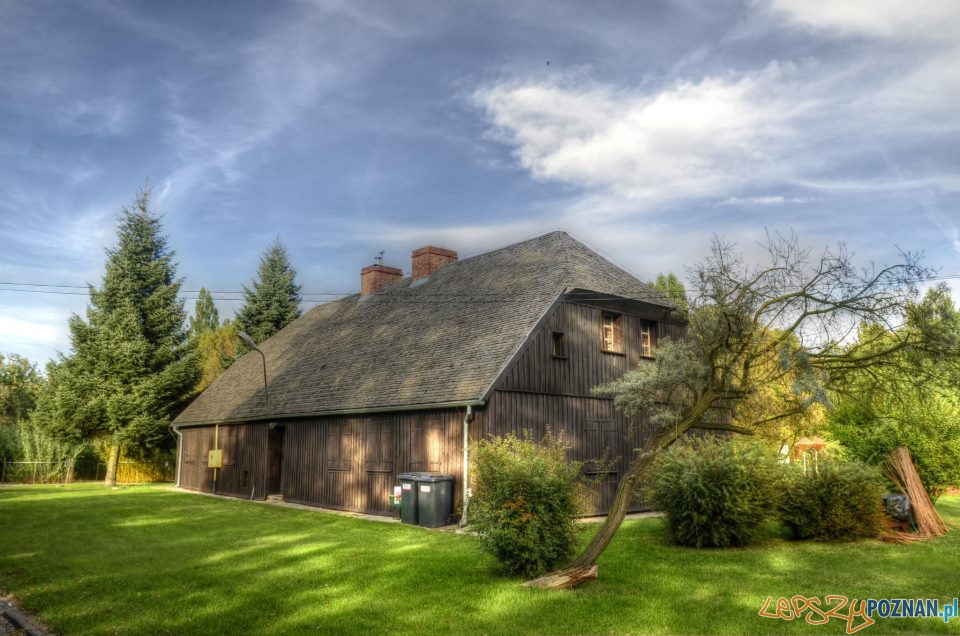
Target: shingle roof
{"type": "Point", "coordinates": [443, 339]}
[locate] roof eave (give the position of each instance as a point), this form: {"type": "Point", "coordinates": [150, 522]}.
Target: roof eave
{"type": "Point", "coordinates": [355, 411]}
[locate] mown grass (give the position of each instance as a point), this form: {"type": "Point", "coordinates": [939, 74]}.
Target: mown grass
{"type": "Point", "coordinates": [90, 560]}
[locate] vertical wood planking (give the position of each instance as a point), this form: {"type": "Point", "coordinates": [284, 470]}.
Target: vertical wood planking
{"type": "Point", "coordinates": [414, 441]}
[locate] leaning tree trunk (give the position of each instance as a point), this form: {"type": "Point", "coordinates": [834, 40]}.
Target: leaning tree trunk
{"type": "Point", "coordinates": [626, 490]}
{"type": "Point", "coordinates": [583, 568]}
{"type": "Point", "coordinates": [113, 460]}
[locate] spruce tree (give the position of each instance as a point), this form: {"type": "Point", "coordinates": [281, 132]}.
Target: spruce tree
{"type": "Point", "coordinates": [131, 368]}
{"type": "Point", "coordinates": [274, 301]}
{"type": "Point", "coordinates": [205, 317]}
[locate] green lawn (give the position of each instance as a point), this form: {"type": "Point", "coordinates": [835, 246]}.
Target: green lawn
{"type": "Point", "coordinates": [90, 560]}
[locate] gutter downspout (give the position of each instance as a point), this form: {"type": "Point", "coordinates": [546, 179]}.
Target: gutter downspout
{"type": "Point", "coordinates": [466, 463]}
{"type": "Point", "coordinates": [176, 431]}
{"type": "Point", "coordinates": [216, 445]}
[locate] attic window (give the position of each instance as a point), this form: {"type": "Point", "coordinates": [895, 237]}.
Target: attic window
{"type": "Point", "coordinates": [558, 345]}
{"type": "Point", "coordinates": [612, 332]}
{"type": "Point", "coordinates": [646, 339]}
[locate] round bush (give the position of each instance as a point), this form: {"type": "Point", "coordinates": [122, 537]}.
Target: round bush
{"type": "Point", "coordinates": [526, 498]}
{"type": "Point", "coordinates": [835, 502]}
{"type": "Point", "coordinates": [715, 492]}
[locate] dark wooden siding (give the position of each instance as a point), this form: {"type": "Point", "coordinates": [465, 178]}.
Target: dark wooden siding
{"type": "Point", "coordinates": [194, 474]}
{"type": "Point", "coordinates": [585, 365]}
{"type": "Point", "coordinates": [244, 459]}
{"type": "Point", "coordinates": [592, 427]}
{"type": "Point", "coordinates": [352, 463]}
{"type": "Point", "coordinates": [540, 392]}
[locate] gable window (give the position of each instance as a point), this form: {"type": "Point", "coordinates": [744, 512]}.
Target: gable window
{"type": "Point", "coordinates": [646, 339]}
{"type": "Point", "coordinates": [612, 332]}
{"type": "Point", "coordinates": [558, 345]}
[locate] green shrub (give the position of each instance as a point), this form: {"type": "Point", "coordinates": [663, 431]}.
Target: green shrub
{"type": "Point", "coordinates": [930, 428]}
{"type": "Point", "coordinates": [836, 502]}
{"type": "Point", "coordinates": [715, 492]}
{"type": "Point", "coordinates": [526, 498]}
{"type": "Point", "coordinates": [9, 443]}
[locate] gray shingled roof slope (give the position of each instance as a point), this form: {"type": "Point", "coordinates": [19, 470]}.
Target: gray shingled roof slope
{"type": "Point", "coordinates": [444, 339]}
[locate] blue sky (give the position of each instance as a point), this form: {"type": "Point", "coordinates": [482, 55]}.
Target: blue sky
{"type": "Point", "coordinates": [350, 127]}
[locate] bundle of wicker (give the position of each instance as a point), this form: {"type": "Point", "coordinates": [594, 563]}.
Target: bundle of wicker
{"type": "Point", "coordinates": [900, 470]}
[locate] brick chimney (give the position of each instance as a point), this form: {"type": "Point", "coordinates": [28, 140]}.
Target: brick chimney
{"type": "Point", "coordinates": [427, 259]}
{"type": "Point", "coordinates": [373, 277]}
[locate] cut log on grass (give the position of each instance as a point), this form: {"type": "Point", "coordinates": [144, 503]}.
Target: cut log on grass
{"type": "Point", "coordinates": [900, 470]}
{"type": "Point", "coordinates": [565, 578]}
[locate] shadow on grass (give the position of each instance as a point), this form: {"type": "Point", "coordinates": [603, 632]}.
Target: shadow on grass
{"type": "Point", "coordinates": [91, 560]}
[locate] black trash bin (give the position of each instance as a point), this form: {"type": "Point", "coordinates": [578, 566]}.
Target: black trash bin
{"type": "Point", "coordinates": [434, 499]}
{"type": "Point", "coordinates": [426, 499]}
{"type": "Point", "coordinates": [408, 498]}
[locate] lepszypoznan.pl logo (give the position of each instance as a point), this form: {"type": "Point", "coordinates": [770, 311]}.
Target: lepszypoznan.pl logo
{"type": "Point", "coordinates": [858, 614]}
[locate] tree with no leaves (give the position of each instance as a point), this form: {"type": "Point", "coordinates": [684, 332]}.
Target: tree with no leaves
{"type": "Point", "coordinates": [785, 322]}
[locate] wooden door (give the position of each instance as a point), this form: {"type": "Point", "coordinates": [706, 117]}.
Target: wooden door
{"type": "Point", "coordinates": [379, 452]}
{"type": "Point", "coordinates": [275, 460]}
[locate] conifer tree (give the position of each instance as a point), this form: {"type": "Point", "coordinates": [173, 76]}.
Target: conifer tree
{"type": "Point", "coordinates": [274, 301]}
{"type": "Point", "coordinates": [205, 316]}
{"type": "Point", "coordinates": [131, 367]}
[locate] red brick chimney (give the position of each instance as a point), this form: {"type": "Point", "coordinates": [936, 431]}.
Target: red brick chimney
{"type": "Point", "coordinates": [427, 259]}
{"type": "Point", "coordinates": [373, 276]}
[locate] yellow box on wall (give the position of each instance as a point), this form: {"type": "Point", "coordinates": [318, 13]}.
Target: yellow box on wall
{"type": "Point", "coordinates": [215, 459]}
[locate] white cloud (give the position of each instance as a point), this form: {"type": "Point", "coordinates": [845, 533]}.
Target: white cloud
{"type": "Point", "coordinates": [32, 331]}
{"type": "Point", "coordinates": [766, 200]}
{"type": "Point", "coordinates": [265, 88]}
{"type": "Point", "coordinates": [691, 139]}
{"type": "Point", "coordinates": [813, 125]}
{"type": "Point", "coordinates": [926, 19]}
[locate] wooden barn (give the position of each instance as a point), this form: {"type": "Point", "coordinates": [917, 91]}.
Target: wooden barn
{"type": "Point", "coordinates": [405, 375]}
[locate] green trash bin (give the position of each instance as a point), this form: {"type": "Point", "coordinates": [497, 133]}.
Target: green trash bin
{"type": "Point", "coordinates": [408, 498]}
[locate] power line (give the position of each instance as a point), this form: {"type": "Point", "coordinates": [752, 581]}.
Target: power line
{"type": "Point", "coordinates": [182, 291]}
{"type": "Point", "coordinates": [329, 297]}
{"type": "Point", "coordinates": [308, 293]}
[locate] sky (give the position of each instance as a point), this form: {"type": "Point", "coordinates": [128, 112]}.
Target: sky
{"type": "Point", "coordinates": [346, 128]}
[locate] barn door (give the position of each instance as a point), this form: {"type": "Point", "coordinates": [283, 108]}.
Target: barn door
{"type": "Point", "coordinates": [603, 445]}
{"type": "Point", "coordinates": [378, 461]}
{"type": "Point", "coordinates": [275, 460]}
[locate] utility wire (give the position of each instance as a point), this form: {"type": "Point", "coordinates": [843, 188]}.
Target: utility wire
{"type": "Point", "coordinates": [57, 290]}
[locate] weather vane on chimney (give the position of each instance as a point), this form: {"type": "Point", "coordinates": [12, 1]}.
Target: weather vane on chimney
{"type": "Point", "coordinates": [378, 259]}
